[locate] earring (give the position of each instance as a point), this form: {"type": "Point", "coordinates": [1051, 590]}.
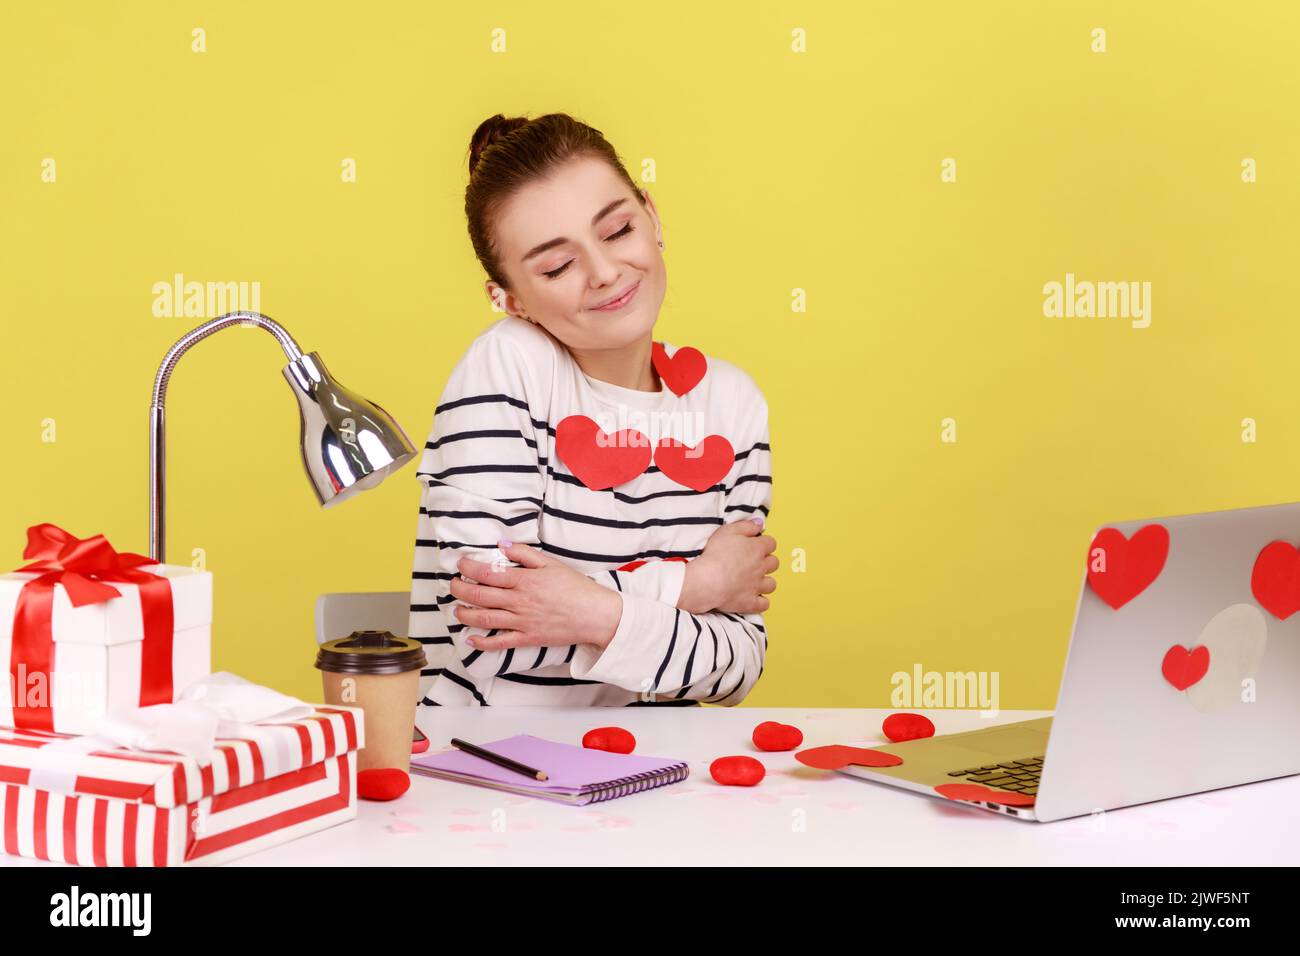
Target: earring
{"type": "Point", "coordinates": [661, 243]}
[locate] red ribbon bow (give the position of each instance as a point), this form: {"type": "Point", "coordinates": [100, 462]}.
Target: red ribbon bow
{"type": "Point", "coordinates": [82, 567]}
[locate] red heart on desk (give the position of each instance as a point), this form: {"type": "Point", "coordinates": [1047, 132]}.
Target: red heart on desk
{"type": "Point", "coordinates": [900, 727]}
{"type": "Point", "coordinates": [981, 794]}
{"type": "Point", "coordinates": [597, 459]}
{"type": "Point", "coordinates": [774, 736]}
{"type": "Point", "coordinates": [1182, 667]}
{"type": "Point", "coordinates": [737, 771]}
{"type": "Point", "coordinates": [1120, 568]}
{"type": "Point", "coordinates": [1275, 579]}
{"type": "Point", "coordinates": [682, 370]}
{"type": "Point", "coordinates": [700, 467]}
{"type": "Point", "coordinates": [616, 740]}
{"type": "Point", "coordinates": [836, 756]}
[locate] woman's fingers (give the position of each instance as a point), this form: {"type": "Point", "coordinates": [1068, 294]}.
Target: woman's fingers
{"type": "Point", "coordinates": [497, 575]}
{"type": "Point", "coordinates": [768, 586]}
{"type": "Point", "coordinates": [488, 618]}
{"type": "Point", "coordinates": [482, 595]}
{"type": "Point", "coordinates": [760, 605]}
{"type": "Point", "coordinates": [498, 641]}
{"type": "Point", "coordinates": [771, 563]}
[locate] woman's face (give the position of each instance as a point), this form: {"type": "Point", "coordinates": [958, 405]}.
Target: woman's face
{"type": "Point", "coordinates": [573, 242]}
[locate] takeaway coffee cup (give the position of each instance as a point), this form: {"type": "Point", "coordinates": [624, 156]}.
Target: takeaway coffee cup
{"type": "Point", "coordinates": [380, 674]}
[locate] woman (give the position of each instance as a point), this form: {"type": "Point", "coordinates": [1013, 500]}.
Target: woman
{"type": "Point", "coordinates": [591, 524]}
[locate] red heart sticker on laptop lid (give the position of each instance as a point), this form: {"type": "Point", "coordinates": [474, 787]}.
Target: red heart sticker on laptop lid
{"type": "Point", "coordinates": [1182, 667]}
{"type": "Point", "coordinates": [1275, 579]}
{"type": "Point", "coordinates": [1120, 568]}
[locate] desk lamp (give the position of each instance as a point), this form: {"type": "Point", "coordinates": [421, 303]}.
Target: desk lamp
{"type": "Point", "coordinates": [348, 443]}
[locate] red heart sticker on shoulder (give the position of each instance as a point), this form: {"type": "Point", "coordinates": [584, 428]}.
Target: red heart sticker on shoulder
{"type": "Point", "coordinates": [1182, 667]}
{"type": "Point", "coordinates": [1275, 579]}
{"type": "Point", "coordinates": [681, 371]}
{"type": "Point", "coordinates": [597, 459]}
{"type": "Point", "coordinates": [700, 467]}
{"type": "Point", "coordinates": [982, 794]}
{"type": "Point", "coordinates": [836, 756]}
{"type": "Point", "coordinates": [1120, 568]}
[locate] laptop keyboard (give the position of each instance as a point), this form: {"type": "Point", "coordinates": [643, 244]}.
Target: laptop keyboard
{"type": "Point", "coordinates": [1019, 776]}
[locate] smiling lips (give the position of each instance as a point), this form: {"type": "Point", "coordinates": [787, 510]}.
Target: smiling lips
{"type": "Point", "coordinates": [615, 304]}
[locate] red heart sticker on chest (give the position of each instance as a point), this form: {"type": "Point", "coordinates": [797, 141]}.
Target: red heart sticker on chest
{"type": "Point", "coordinates": [700, 467]}
{"type": "Point", "coordinates": [597, 459]}
{"type": "Point", "coordinates": [1275, 580]}
{"type": "Point", "coordinates": [682, 371]}
{"type": "Point", "coordinates": [1120, 568]}
{"type": "Point", "coordinates": [1182, 667]}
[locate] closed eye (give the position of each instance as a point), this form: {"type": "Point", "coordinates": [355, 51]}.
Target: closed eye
{"type": "Point", "coordinates": [556, 273]}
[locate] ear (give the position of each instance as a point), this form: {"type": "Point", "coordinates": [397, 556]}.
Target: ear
{"type": "Point", "coordinates": [501, 298]}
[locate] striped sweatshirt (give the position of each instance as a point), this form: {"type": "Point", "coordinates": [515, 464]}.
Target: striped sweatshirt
{"type": "Point", "coordinates": [490, 470]}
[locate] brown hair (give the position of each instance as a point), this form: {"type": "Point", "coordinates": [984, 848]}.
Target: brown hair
{"type": "Point", "coordinates": [506, 153]}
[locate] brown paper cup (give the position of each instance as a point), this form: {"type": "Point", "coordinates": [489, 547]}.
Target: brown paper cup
{"type": "Point", "coordinates": [380, 674]}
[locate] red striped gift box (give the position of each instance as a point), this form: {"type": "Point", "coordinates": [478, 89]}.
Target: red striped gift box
{"type": "Point", "coordinates": [120, 807]}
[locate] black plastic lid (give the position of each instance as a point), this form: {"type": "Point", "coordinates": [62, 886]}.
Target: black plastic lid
{"type": "Point", "coordinates": [370, 652]}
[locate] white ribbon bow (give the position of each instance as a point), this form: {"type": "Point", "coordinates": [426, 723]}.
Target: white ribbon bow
{"type": "Point", "coordinates": [218, 705]}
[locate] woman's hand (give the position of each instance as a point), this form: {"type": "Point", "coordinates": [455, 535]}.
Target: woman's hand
{"type": "Point", "coordinates": [733, 572]}
{"type": "Point", "coordinates": [545, 603]}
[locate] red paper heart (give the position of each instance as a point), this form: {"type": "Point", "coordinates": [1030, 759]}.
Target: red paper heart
{"type": "Point", "coordinates": [633, 565]}
{"type": "Point", "coordinates": [682, 371]}
{"type": "Point", "coordinates": [700, 467]}
{"type": "Point", "coordinates": [737, 771]}
{"type": "Point", "coordinates": [983, 794]}
{"type": "Point", "coordinates": [1130, 563]}
{"type": "Point", "coordinates": [597, 459]}
{"type": "Point", "coordinates": [382, 783]}
{"type": "Point", "coordinates": [1182, 667]}
{"type": "Point", "coordinates": [1275, 580]}
{"type": "Point", "coordinates": [769, 735]}
{"type": "Point", "coordinates": [616, 740]}
{"type": "Point", "coordinates": [900, 727]}
{"type": "Point", "coordinates": [836, 756]}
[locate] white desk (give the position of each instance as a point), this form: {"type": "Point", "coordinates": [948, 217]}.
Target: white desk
{"type": "Point", "coordinates": [796, 815]}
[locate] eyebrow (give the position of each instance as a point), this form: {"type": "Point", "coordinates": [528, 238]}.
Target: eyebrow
{"type": "Point", "coordinates": [537, 250]}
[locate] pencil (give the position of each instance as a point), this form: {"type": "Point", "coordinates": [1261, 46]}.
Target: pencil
{"type": "Point", "coordinates": [499, 760]}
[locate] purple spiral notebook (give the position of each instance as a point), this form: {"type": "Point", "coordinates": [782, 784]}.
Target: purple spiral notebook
{"type": "Point", "coordinates": [577, 775]}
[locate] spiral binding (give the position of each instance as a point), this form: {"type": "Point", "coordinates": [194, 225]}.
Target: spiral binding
{"type": "Point", "coordinates": [648, 780]}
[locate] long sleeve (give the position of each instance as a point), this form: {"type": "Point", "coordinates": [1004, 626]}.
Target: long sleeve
{"type": "Point", "coordinates": [662, 651]}
{"type": "Point", "coordinates": [483, 479]}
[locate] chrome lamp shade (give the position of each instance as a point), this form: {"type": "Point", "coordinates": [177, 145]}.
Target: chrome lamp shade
{"type": "Point", "coordinates": [349, 444]}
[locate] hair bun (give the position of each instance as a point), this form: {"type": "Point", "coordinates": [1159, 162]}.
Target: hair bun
{"type": "Point", "coordinates": [490, 131]}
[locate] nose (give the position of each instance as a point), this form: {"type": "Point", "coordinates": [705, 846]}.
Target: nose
{"type": "Point", "coordinates": [605, 268]}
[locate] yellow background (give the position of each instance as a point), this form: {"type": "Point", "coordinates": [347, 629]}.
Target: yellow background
{"type": "Point", "coordinates": [775, 171]}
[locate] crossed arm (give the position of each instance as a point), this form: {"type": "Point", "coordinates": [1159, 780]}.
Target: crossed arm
{"type": "Point", "coordinates": [684, 629]}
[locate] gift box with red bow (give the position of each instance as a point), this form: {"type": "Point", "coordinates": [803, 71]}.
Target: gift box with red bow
{"type": "Point", "coordinates": [86, 630]}
{"type": "Point", "coordinates": [118, 806]}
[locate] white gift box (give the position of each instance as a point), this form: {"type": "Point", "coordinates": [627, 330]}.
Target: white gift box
{"type": "Point", "coordinates": [125, 807]}
{"type": "Point", "coordinates": [97, 648]}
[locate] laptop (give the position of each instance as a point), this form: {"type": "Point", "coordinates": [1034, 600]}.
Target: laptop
{"type": "Point", "coordinates": [1123, 731]}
